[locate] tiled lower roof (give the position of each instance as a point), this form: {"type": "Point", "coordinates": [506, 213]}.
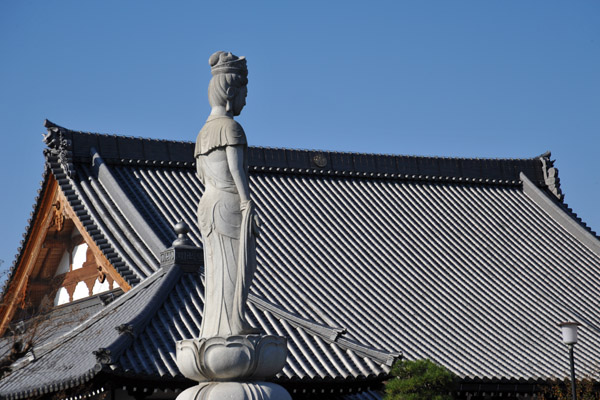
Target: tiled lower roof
{"type": "Point", "coordinates": [312, 355]}
{"type": "Point", "coordinates": [60, 320]}
{"type": "Point", "coordinates": [69, 360]}
{"type": "Point", "coordinates": [136, 336]}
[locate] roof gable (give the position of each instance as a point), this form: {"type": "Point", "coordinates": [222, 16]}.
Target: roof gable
{"type": "Point", "coordinates": [55, 233]}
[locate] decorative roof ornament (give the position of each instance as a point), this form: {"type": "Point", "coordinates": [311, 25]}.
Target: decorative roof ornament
{"type": "Point", "coordinates": [126, 329]}
{"type": "Point", "coordinates": [226, 63]}
{"type": "Point", "coordinates": [183, 252]}
{"type": "Point", "coordinates": [103, 356]}
{"type": "Point", "coordinates": [61, 145]}
{"type": "Point", "coordinates": [182, 229]}
{"type": "Point", "coordinates": [551, 178]}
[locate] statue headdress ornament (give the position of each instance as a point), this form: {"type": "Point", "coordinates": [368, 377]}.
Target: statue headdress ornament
{"type": "Point", "coordinates": [227, 63]}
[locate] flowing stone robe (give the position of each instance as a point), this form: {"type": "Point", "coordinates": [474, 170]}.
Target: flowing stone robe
{"type": "Point", "coordinates": [229, 243]}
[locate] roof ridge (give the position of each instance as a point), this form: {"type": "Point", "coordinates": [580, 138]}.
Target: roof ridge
{"type": "Point", "coordinates": [94, 225]}
{"type": "Point", "coordinates": [358, 153]}
{"type": "Point", "coordinates": [576, 216]}
{"type": "Point", "coordinates": [386, 357]}
{"type": "Point", "coordinates": [50, 125]}
{"type": "Point", "coordinates": [130, 213]}
{"type": "Point", "coordinates": [74, 147]}
{"type": "Point", "coordinates": [164, 279]}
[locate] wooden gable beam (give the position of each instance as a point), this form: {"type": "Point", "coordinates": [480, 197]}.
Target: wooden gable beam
{"type": "Point", "coordinates": [15, 294]}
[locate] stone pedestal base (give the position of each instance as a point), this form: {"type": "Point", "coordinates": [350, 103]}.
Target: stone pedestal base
{"type": "Point", "coordinates": [235, 390]}
{"type": "Point", "coordinates": [233, 367]}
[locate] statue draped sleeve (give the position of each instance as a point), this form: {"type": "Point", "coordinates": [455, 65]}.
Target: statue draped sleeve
{"type": "Point", "coordinates": [219, 132]}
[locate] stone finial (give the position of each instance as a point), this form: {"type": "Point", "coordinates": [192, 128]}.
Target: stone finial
{"type": "Point", "coordinates": [183, 252]}
{"type": "Point", "coordinates": [182, 229]}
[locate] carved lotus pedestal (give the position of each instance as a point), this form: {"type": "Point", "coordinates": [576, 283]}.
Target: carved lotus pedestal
{"type": "Point", "coordinates": [232, 367]}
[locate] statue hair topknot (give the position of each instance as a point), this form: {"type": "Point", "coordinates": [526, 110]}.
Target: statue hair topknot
{"type": "Point", "coordinates": [226, 63]}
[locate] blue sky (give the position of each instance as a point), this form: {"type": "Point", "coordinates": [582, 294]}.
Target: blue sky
{"type": "Point", "coordinates": [507, 79]}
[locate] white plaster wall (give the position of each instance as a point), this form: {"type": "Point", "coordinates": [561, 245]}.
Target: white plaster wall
{"type": "Point", "coordinates": [81, 291]}
{"type": "Point", "coordinates": [100, 287]}
{"type": "Point", "coordinates": [62, 297]}
{"type": "Point", "coordinates": [63, 265]}
{"type": "Point", "coordinates": [79, 256]}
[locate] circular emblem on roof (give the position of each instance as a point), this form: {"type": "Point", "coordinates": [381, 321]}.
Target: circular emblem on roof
{"type": "Point", "coordinates": [320, 160]}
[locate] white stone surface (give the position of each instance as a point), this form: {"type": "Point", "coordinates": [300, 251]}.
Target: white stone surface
{"type": "Point", "coordinates": [226, 213]}
{"type": "Point", "coordinates": [237, 358]}
{"type": "Point", "coordinates": [235, 391]}
{"type": "Point", "coordinates": [228, 359]}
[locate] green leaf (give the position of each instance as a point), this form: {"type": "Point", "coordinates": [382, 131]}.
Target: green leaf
{"type": "Point", "coordinates": [420, 380]}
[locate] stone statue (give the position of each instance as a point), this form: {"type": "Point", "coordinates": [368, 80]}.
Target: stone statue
{"type": "Point", "coordinates": [229, 360]}
{"type": "Point", "coordinates": [226, 213]}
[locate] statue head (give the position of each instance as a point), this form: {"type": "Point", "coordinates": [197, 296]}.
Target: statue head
{"type": "Point", "coordinates": [227, 88]}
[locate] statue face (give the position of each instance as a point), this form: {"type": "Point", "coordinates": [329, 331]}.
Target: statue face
{"type": "Point", "coordinates": [240, 101]}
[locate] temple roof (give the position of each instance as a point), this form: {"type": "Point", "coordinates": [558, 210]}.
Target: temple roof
{"type": "Point", "coordinates": [135, 335]}
{"type": "Point", "coordinates": [469, 262]}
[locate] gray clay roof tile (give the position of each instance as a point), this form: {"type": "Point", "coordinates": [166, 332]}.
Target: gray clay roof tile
{"type": "Point", "coordinates": [361, 257]}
